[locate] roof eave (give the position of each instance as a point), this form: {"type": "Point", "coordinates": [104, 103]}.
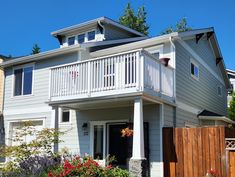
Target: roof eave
{"type": "Point", "coordinates": [217, 118]}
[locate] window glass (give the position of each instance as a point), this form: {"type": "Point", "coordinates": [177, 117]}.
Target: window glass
{"type": "Point", "coordinates": [98, 141]}
{"type": "Point", "coordinates": [18, 82]}
{"type": "Point", "coordinates": [28, 73]}
{"type": "Point", "coordinates": [65, 116]}
{"type": "Point", "coordinates": [157, 55]}
{"type": "Point", "coordinates": [194, 70]}
{"type": "Point", "coordinates": [219, 91]}
{"type": "Point", "coordinates": [71, 40]}
{"type": "Point", "coordinates": [23, 81]}
{"type": "Point", "coordinates": [91, 35]}
{"type": "Point", "coordinates": [81, 38]}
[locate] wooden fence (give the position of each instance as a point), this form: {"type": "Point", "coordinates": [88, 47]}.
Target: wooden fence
{"type": "Point", "coordinates": [191, 152]}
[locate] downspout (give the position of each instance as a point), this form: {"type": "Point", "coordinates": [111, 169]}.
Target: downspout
{"type": "Point", "coordinates": [99, 22]}
{"type": "Point", "coordinates": [174, 63]}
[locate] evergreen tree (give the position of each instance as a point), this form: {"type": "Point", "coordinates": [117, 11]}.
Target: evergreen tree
{"type": "Point", "coordinates": [36, 49]}
{"type": "Point", "coordinates": [180, 26]}
{"type": "Point", "coordinates": [136, 21]}
{"type": "Point", "coordinates": [231, 109]}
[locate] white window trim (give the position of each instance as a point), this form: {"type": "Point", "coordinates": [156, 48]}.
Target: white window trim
{"type": "Point", "coordinates": [61, 114]}
{"type": "Point", "coordinates": [13, 80]}
{"type": "Point", "coordinates": [85, 40]}
{"type": "Point", "coordinates": [192, 61]}
{"type": "Point", "coordinates": [105, 137]}
{"type": "Point", "coordinates": [156, 49]}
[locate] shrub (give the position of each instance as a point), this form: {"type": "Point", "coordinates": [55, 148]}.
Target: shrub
{"type": "Point", "coordinates": [85, 167]}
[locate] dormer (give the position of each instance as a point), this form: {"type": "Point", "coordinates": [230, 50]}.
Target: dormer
{"type": "Point", "coordinates": [100, 29]}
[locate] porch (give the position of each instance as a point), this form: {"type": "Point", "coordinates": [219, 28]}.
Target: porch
{"type": "Point", "coordinates": [96, 130]}
{"type": "Point", "coordinates": [131, 73]}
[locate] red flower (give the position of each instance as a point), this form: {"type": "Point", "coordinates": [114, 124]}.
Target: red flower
{"type": "Point", "coordinates": [50, 174]}
{"type": "Point", "coordinates": [109, 167]}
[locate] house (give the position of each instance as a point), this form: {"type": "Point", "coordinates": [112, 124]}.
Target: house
{"type": "Point", "coordinates": [105, 77]}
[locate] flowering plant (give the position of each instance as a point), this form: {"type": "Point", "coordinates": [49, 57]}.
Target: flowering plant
{"type": "Point", "coordinates": [211, 173]}
{"type": "Point", "coordinates": [127, 132]}
{"type": "Point", "coordinates": [85, 167]}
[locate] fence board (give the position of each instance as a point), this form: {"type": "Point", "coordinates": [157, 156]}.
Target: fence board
{"type": "Point", "coordinates": [193, 151]}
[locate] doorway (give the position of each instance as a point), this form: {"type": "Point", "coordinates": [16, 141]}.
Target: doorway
{"type": "Point", "coordinates": [118, 145]}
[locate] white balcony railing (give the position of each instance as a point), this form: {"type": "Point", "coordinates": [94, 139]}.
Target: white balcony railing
{"type": "Point", "coordinates": [133, 71]}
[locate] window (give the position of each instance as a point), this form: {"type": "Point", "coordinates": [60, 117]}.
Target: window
{"type": "Point", "coordinates": [23, 81]}
{"type": "Point", "coordinates": [65, 117]}
{"type": "Point", "coordinates": [71, 40]}
{"type": "Point", "coordinates": [219, 90]}
{"type": "Point", "coordinates": [81, 38]}
{"type": "Point", "coordinates": [98, 141]}
{"type": "Point", "coordinates": [91, 35]}
{"type": "Point", "coordinates": [194, 70]}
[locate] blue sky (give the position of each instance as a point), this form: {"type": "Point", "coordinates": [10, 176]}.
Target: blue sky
{"type": "Point", "coordinates": [26, 22]}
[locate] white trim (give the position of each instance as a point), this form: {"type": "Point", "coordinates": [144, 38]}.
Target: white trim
{"type": "Point", "coordinates": [9, 122]}
{"type": "Point", "coordinates": [188, 108]}
{"type": "Point", "coordinates": [61, 110]}
{"type": "Point", "coordinates": [105, 137]}
{"type": "Point", "coordinates": [217, 118]}
{"type": "Point", "coordinates": [200, 60]}
{"type": "Point", "coordinates": [8, 112]}
{"type": "Point", "coordinates": [161, 120]}
{"type": "Point", "coordinates": [13, 80]}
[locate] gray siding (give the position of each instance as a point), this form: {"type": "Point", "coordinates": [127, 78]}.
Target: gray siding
{"type": "Point", "coordinates": [40, 84]}
{"type": "Point", "coordinates": [169, 116]}
{"type": "Point", "coordinates": [185, 118]}
{"type": "Point", "coordinates": [202, 93]}
{"type": "Point", "coordinates": [112, 33]}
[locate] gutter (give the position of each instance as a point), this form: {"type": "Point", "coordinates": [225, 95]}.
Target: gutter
{"type": "Point", "coordinates": [221, 118]}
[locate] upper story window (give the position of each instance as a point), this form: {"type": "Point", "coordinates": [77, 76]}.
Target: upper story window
{"type": "Point", "coordinates": [71, 40]}
{"type": "Point", "coordinates": [23, 78]}
{"type": "Point", "coordinates": [91, 35]}
{"type": "Point", "coordinates": [81, 38]}
{"type": "Point", "coordinates": [194, 69]}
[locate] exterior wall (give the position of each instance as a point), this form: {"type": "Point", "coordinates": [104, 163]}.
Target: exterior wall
{"type": "Point", "coordinates": [79, 142]}
{"type": "Point", "coordinates": [200, 94]}
{"type": "Point", "coordinates": [169, 116]}
{"type": "Point", "coordinates": [186, 119]}
{"type": "Point", "coordinates": [32, 106]}
{"type": "Point", "coordinates": [112, 33]}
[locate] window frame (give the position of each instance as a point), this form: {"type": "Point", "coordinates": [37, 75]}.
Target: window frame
{"type": "Point", "coordinates": [75, 40]}
{"type": "Point", "coordinates": [85, 38]}
{"type": "Point", "coordinates": [192, 61]}
{"type": "Point", "coordinates": [221, 93]}
{"type": "Point", "coordinates": [13, 79]}
{"type": "Point", "coordinates": [61, 110]}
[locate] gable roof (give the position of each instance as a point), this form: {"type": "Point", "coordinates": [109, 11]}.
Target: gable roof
{"type": "Point", "coordinates": [94, 22]}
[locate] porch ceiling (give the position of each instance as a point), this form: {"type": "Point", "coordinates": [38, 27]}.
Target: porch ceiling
{"type": "Point", "coordinates": [111, 103]}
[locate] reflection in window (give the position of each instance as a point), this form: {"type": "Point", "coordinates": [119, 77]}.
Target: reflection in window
{"type": "Point", "coordinates": [98, 141]}
{"type": "Point", "coordinates": [71, 40]}
{"type": "Point", "coordinates": [81, 38]}
{"type": "Point", "coordinates": [91, 35]}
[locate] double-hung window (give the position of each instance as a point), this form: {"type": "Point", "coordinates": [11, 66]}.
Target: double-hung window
{"type": "Point", "coordinates": [91, 35]}
{"type": "Point", "coordinates": [23, 78]}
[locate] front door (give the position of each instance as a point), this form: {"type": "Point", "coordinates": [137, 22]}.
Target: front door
{"type": "Point", "coordinates": [118, 145]}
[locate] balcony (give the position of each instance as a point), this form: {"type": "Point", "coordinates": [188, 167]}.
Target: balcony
{"type": "Point", "coordinates": [117, 75]}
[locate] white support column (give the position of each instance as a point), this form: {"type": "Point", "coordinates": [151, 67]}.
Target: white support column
{"type": "Point", "coordinates": [55, 124]}
{"type": "Point", "coordinates": [138, 136]}
{"type": "Point", "coordinates": [161, 124]}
